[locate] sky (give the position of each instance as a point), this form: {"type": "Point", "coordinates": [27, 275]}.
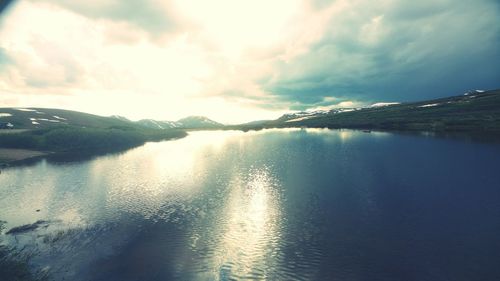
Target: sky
{"type": "Point", "coordinates": [237, 61]}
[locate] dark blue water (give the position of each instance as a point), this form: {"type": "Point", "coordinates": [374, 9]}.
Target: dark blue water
{"type": "Point", "coordinates": [270, 205]}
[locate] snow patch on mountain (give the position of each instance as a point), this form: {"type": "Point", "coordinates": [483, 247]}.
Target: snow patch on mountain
{"type": "Point", "coordinates": [154, 124]}
{"type": "Point", "coordinates": [379, 104]}
{"type": "Point", "coordinates": [45, 119]}
{"type": "Point", "coordinates": [193, 122]}
{"type": "Point", "coordinates": [346, 109]}
{"type": "Point", "coordinates": [302, 115]}
{"type": "Point", "coordinates": [473, 92]}
{"type": "Point", "coordinates": [299, 119]}
{"type": "Point", "coordinates": [25, 109]}
{"type": "Point", "coordinates": [119, 117]}
{"type": "Point", "coordinates": [429, 105]}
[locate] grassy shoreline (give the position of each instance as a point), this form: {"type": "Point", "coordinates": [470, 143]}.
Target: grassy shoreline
{"type": "Point", "coordinates": [475, 114]}
{"type": "Point", "coordinates": [8, 155]}
{"type": "Point", "coordinates": [34, 144]}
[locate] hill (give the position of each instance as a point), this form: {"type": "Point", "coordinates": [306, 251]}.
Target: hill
{"type": "Point", "coordinates": [28, 131]}
{"type": "Point", "coordinates": [198, 122]}
{"type": "Point", "coordinates": [154, 124]}
{"type": "Point", "coordinates": [44, 118]}
{"type": "Point", "coordinates": [191, 122]}
{"type": "Point", "coordinates": [475, 111]}
{"type": "Point", "coordinates": [58, 130]}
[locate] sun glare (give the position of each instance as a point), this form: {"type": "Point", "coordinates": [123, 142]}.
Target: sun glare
{"type": "Point", "coordinates": [168, 78]}
{"type": "Point", "coordinates": [236, 25]}
{"type": "Point", "coordinates": [253, 225]}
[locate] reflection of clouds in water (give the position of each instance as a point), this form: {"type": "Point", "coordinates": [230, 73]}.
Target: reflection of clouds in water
{"type": "Point", "coordinates": [251, 231]}
{"type": "Point", "coordinates": [345, 135]}
{"type": "Point", "coordinates": [159, 175]}
{"type": "Point", "coordinates": [140, 180]}
{"type": "Point", "coordinates": [22, 191]}
{"type": "Point", "coordinates": [205, 183]}
{"type": "Point", "coordinates": [269, 205]}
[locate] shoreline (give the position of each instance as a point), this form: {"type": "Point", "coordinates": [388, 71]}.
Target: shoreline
{"type": "Point", "coordinates": [18, 156]}
{"type": "Point", "coordinates": [12, 155]}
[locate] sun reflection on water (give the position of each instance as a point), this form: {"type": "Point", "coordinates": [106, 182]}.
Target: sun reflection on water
{"type": "Point", "coordinates": [252, 231]}
{"type": "Point", "coordinates": [146, 179]}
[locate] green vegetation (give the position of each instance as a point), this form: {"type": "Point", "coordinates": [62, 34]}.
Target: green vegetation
{"type": "Point", "coordinates": [465, 113]}
{"type": "Point", "coordinates": [474, 113]}
{"type": "Point", "coordinates": [40, 118]}
{"type": "Point", "coordinates": [94, 140]}
{"type": "Point", "coordinates": [63, 139]}
{"type": "Point", "coordinates": [71, 132]}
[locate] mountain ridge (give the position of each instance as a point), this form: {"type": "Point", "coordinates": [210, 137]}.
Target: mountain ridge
{"type": "Point", "coordinates": [473, 111]}
{"type": "Point", "coordinates": [43, 118]}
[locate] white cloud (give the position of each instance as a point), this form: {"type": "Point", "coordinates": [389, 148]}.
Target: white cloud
{"type": "Point", "coordinates": [236, 60]}
{"type": "Point", "coordinates": [82, 56]}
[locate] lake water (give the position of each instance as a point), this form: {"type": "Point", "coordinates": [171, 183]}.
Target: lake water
{"type": "Point", "coordinates": [270, 205]}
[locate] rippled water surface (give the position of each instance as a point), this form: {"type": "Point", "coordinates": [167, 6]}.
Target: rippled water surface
{"type": "Point", "coordinates": [268, 205]}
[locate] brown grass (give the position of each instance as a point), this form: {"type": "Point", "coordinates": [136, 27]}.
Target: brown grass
{"type": "Point", "coordinates": [11, 154]}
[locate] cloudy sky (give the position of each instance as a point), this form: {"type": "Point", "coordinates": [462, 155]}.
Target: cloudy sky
{"type": "Point", "coordinates": [236, 61]}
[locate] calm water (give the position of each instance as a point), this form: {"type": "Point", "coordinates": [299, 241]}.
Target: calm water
{"type": "Point", "coordinates": [269, 205]}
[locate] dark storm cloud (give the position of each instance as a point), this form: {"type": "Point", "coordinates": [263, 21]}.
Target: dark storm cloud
{"type": "Point", "coordinates": [4, 4]}
{"type": "Point", "coordinates": [397, 51]}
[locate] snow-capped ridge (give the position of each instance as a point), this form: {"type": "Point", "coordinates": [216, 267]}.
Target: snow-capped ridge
{"type": "Point", "coordinates": [429, 105]}
{"type": "Point", "coordinates": [379, 104]}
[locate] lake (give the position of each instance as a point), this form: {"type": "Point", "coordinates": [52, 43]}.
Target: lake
{"type": "Point", "coordinates": [294, 204]}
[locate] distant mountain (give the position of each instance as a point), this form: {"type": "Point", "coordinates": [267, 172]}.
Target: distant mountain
{"type": "Point", "coordinates": [191, 122]}
{"type": "Point", "coordinates": [473, 111]}
{"type": "Point", "coordinates": [297, 116]}
{"type": "Point", "coordinates": [254, 123]}
{"type": "Point", "coordinates": [198, 122]}
{"type": "Point", "coordinates": [154, 124]}
{"type": "Point", "coordinates": [304, 115]}
{"type": "Point", "coordinates": [119, 117]}
{"type": "Point", "coordinates": [41, 118]}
